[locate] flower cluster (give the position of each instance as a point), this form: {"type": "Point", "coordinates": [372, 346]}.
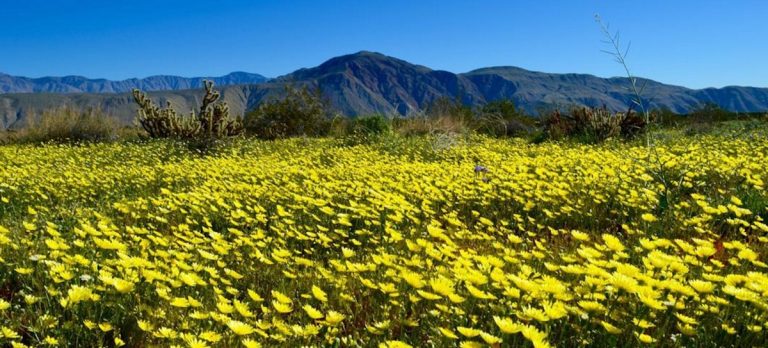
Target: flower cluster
{"type": "Point", "coordinates": [310, 243]}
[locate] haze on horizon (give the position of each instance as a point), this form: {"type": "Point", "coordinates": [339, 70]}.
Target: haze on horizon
{"type": "Point", "coordinates": [696, 44]}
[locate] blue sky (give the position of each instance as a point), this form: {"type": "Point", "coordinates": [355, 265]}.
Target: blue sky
{"type": "Point", "coordinates": [694, 43]}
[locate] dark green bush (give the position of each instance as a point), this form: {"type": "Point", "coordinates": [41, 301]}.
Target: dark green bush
{"type": "Point", "coordinates": [370, 125]}
{"type": "Point", "coordinates": [298, 112]}
{"type": "Point", "coordinates": [363, 129]}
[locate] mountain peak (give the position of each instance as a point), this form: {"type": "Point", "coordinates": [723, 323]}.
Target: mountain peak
{"type": "Point", "coordinates": [374, 62]}
{"type": "Point", "coordinates": [368, 57]}
{"type": "Point", "coordinates": [368, 53]}
{"type": "Point", "coordinates": [494, 69]}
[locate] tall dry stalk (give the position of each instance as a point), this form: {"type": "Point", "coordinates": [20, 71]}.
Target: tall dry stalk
{"type": "Point", "coordinates": [620, 56]}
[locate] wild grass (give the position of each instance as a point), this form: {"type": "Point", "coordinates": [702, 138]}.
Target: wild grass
{"type": "Point", "coordinates": [67, 124]}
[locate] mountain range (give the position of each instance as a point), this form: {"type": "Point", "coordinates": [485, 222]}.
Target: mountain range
{"type": "Point", "coordinates": [80, 84]}
{"type": "Point", "coordinates": [366, 83]}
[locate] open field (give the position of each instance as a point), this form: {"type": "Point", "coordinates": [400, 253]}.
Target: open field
{"type": "Point", "coordinates": [427, 241]}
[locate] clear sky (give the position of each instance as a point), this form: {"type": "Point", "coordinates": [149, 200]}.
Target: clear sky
{"type": "Point", "coordinates": [694, 43]}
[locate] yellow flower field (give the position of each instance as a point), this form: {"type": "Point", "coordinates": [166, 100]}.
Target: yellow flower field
{"type": "Point", "coordinates": [419, 242]}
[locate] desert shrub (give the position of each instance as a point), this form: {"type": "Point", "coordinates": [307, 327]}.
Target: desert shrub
{"type": "Point", "coordinates": [632, 124]}
{"type": "Point", "coordinates": [710, 113]}
{"type": "Point", "coordinates": [442, 116]}
{"type": "Point", "coordinates": [597, 124]}
{"type": "Point", "coordinates": [423, 124]}
{"type": "Point", "coordinates": [211, 121]}
{"type": "Point", "coordinates": [67, 124]}
{"type": "Point", "coordinates": [362, 130]}
{"type": "Point", "coordinates": [370, 125]}
{"type": "Point", "coordinates": [703, 118]}
{"type": "Point", "coordinates": [500, 118]}
{"type": "Point", "coordinates": [698, 128]}
{"type": "Point", "coordinates": [7, 136]}
{"type": "Point", "coordinates": [299, 112]}
{"type": "Point", "coordinates": [445, 107]}
{"type": "Point", "coordinates": [698, 117]}
{"type": "Point", "coordinates": [558, 125]}
{"type": "Point", "coordinates": [593, 125]}
{"type": "Point", "coordinates": [339, 126]}
{"type": "Point", "coordinates": [707, 118]}
{"type": "Point", "coordinates": [664, 117]}
{"type": "Point", "coordinates": [412, 125]}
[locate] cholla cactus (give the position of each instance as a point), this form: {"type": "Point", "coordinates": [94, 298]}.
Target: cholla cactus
{"type": "Point", "coordinates": [214, 118]}
{"type": "Point", "coordinates": [212, 121]}
{"type": "Point", "coordinates": [163, 123]}
{"type": "Point", "coordinates": [601, 124]}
